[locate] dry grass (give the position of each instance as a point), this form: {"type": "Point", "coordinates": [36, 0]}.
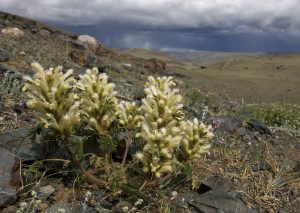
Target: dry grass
{"type": "Point", "coordinates": [271, 189]}
{"type": "Point", "coordinates": [255, 78]}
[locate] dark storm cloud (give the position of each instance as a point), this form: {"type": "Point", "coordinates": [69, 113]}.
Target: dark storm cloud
{"type": "Point", "coordinates": [128, 36]}
{"type": "Point", "coordinates": [250, 25]}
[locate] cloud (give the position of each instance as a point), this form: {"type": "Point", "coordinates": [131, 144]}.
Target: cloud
{"type": "Point", "coordinates": [230, 25]}
{"type": "Point", "coordinates": [239, 16]}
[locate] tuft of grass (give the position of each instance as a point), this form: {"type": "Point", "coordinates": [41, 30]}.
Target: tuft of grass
{"type": "Point", "coordinates": [10, 90]}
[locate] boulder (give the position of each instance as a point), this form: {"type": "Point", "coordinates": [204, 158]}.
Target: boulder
{"type": "Point", "coordinates": [44, 33]}
{"type": "Point", "coordinates": [89, 42]}
{"type": "Point", "coordinates": [215, 194]}
{"type": "Point", "coordinates": [9, 178]}
{"type": "Point", "coordinates": [18, 142]}
{"type": "Point", "coordinates": [13, 31]}
{"type": "Point", "coordinates": [215, 201]}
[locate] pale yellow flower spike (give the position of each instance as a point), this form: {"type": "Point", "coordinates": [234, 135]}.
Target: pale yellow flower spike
{"type": "Point", "coordinates": [160, 127]}
{"type": "Point", "coordinates": [196, 137]}
{"type": "Point", "coordinates": [98, 100]}
{"type": "Point", "coordinates": [51, 94]}
{"type": "Point", "coordinates": [128, 113]}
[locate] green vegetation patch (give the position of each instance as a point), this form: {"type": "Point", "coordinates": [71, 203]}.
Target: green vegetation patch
{"type": "Point", "coordinates": [276, 114]}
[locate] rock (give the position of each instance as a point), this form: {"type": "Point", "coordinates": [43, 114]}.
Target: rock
{"type": "Point", "coordinates": [75, 45]}
{"type": "Point", "coordinates": [122, 206]}
{"type": "Point", "coordinates": [11, 71]}
{"type": "Point", "coordinates": [44, 33]}
{"type": "Point", "coordinates": [18, 142]}
{"type": "Point", "coordinates": [13, 31]}
{"type": "Point", "coordinates": [227, 123]}
{"type": "Point", "coordinates": [34, 30]}
{"type": "Point", "coordinates": [18, 108]}
{"type": "Point", "coordinates": [90, 60]}
{"type": "Point", "coordinates": [105, 204]}
{"type": "Point", "coordinates": [259, 127]}
{"type": "Point", "coordinates": [4, 56]}
{"type": "Point", "coordinates": [127, 66]}
{"type": "Point", "coordinates": [89, 42]}
{"type": "Point", "coordinates": [9, 178]}
{"type": "Point", "coordinates": [42, 207]}
{"type": "Point", "coordinates": [88, 209]}
{"type": "Point", "coordinates": [215, 201]}
{"type": "Point", "coordinates": [242, 131]}
{"type": "Point", "coordinates": [45, 191]}
{"type": "Point", "coordinates": [101, 209]}
{"type": "Point", "coordinates": [261, 166]}
{"type": "Point", "coordinates": [203, 188]}
{"type": "Point", "coordinates": [129, 82]}
{"type": "Point", "coordinates": [59, 207]}
{"type": "Point", "coordinates": [10, 209]}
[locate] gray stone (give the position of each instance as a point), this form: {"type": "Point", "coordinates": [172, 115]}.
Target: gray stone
{"type": "Point", "coordinates": [11, 71]}
{"type": "Point", "coordinates": [259, 127]}
{"type": "Point", "coordinates": [18, 142]}
{"type": "Point", "coordinates": [9, 178]}
{"type": "Point", "coordinates": [101, 209]}
{"type": "Point", "coordinates": [4, 56]}
{"type": "Point", "coordinates": [105, 204]}
{"type": "Point", "coordinates": [242, 131]}
{"type": "Point", "coordinates": [59, 207]}
{"type": "Point", "coordinates": [216, 201]}
{"type": "Point", "coordinates": [88, 209]}
{"type": "Point", "coordinates": [261, 166]}
{"type": "Point", "coordinates": [45, 191]}
{"type": "Point", "coordinates": [44, 33]}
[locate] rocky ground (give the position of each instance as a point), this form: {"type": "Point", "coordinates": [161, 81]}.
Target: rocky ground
{"type": "Point", "coordinates": [253, 166]}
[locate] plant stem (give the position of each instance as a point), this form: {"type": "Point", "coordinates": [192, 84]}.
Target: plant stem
{"type": "Point", "coordinates": [128, 142]}
{"type": "Point", "coordinates": [89, 177]}
{"type": "Point", "coordinates": [107, 164]}
{"type": "Point", "coordinates": [159, 181]}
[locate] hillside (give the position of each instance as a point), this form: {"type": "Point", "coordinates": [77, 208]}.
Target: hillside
{"type": "Point", "coordinates": [255, 77]}
{"type": "Point", "coordinates": [240, 111]}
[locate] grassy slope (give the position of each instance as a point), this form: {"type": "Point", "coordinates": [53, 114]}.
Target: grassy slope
{"type": "Point", "coordinates": [256, 78]}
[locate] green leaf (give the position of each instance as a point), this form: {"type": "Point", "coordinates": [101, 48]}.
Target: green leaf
{"type": "Point", "coordinates": [76, 144]}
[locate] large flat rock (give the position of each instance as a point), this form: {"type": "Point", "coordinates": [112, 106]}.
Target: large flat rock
{"type": "Point", "coordinates": [18, 142]}
{"type": "Point", "coordinates": [9, 176]}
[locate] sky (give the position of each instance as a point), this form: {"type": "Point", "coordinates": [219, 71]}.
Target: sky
{"type": "Point", "coordinates": [174, 25]}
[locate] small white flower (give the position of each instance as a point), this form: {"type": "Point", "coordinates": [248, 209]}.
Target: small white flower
{"type": "Point", "coordinates": [125, 208]}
